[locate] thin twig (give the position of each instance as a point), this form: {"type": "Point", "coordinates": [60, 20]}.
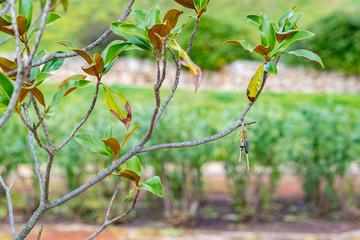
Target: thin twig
{"type": "Point", "coordinates": [36, 135]}
{"type": "Point", "coordinates": [56, 55]}
{"type": "Point", "coordinates": [10, 207]}
{"type": "Point", "coordinates": [175, 85]}
{"type": "Point", "coordinates": [33, 151]}
{"type": "Point", "coordinates": [41, 122]}
{"type": "Point", "coordinates": [45, 14]}
{"type": "Point", "coordinates": [40, 232]}
{"type": "Point", "coordinates": [107, 223]}
{"type": "Point", "coordinates": [5, 9]}
{"type": "Point", "coordinates": [20, 70]}
{"type": "Point", "coordinates": [193, 34]}
{"type": "Point", "coordinates": [113, 199]}
{"type": "Point", "coordinates": [82, 121]}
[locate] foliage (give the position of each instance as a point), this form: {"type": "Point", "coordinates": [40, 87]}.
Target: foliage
{"type": "Point", "coordinates": [274, 41]}
{"type": "Point", "coordinates": [344, 30]}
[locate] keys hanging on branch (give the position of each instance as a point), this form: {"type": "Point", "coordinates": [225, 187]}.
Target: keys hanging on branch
{"type": "Point", "coordinates": [244, 144]}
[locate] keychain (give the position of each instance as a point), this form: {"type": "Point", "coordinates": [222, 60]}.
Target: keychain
{"type": "Point", "coordinates": [244, 145]}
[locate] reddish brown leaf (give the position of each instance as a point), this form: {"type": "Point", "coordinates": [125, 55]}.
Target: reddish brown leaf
{"type": "Point", "coordinates": [91, 70]}
{"type": "Point", "coordinates": [162, 30]}
{"type": "Point", "coordinates": [84, 55]}
{"type": "Point", "coordinates": [4, 22]}
{"type": "Point", "coordinates": [22, 23]}
{"type": "Point", "coordinates": [99, 63]}
{"type": "Point", "coordinates": [7, 31]}
{"type": "Point", "coordinates": [72, 78]}
{"type": "Point", "coordinates": [172, 17]}
{"type": "Point", "coordinates": [7, 65]}
{"type": "Point", "coordinates": [262, 50]}
{"type": "Point", "coordinates": [114, 145]}
{"type": "Point", "coordinates": [186, 3]}
{"type": "Point", "coordinates": [38, 95]}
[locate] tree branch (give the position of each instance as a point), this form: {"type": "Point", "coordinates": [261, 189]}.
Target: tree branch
{"type": "Point", "coordinates": [20, 70]}
{"type": "Point", "coordinates": [47, 176]}
{"type": "Point", "coordinates": [45, 14]}
{"type": "Point", "coordinates": [10, 207]}
{"type": "Point", "coordinates": [5, 9]}
{"type": "Point", "coordinates": [175, 85]}
{"type": "Point", "coordinates": [82, 121]}
{"type": "Point", "coordinates": [33, 151]}
{"type": "Point", "coordinates": [108, 222]}
{"type": "Point", "coordinates": [55, 55]}
{"type": "Point", "coordinates": [193, 34]}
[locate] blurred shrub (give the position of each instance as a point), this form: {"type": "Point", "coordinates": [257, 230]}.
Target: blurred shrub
{"type": "Point", "coordinates": [337, 42]}
{"type": "Point", "coordinates": [209, 50]}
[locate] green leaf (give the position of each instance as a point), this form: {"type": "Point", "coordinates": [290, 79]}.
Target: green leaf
{"type": "Point", "coordinates": [133, 34]}
{"type": "Point", "coordinates": [109, 66]}
{"type": "Point", "coordinates": [52, 18]}
{"type": "Point", "coordinates": [54, 64]}
{"type": "Point", "coordinates": [118, 105]}
{"type": "Point", "coordinates": [114, 49]}
{"type": "Point", "coordinates": [40, 77]}
{"type": "Point", "coordinates": [109, 131]}
{"type": "Point", "coordinates": [153, 185]}
{"type": "Point", "coordinates": [114, 145]}
{"type": "Point", "coordinates": [270, 67]}
{"type": "Point", "coordinates": [255, 84]}
{"type": "Point", "coordinates": [283, 19]}
{"type": "Point", "coordinates": [26, 9]}
{"type": "Point", "coordinates": [253, 20]}
{"type": "Point", "coordinates": [153, 17]}
{"type": "Point", "coordinates": [92, 144]}
{"type": "Point", "coordinates": [267, 32]}
{"type": "Point", "coordinates": [139, 17]}
{"type": "Point", "coordinates": [6, 89]}
{"type": "Point", "coordinates": [130, 195]}
{"type": "Point", "coordinates": [67, 86]}
{"type": "Point", "coordinates": [291, 23]}
{"type": "Point", "coordinates": [313, 57]}
{"type": "Point", "coordinates": [133, 164]}
{"type": "Point", "coordinates": [293, 38]}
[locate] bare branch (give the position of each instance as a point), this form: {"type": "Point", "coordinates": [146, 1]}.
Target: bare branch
{"type": "Point", "coordinates": [175, 85]}
{"type": "Point", "coordinates": [40, 232]}
{"type": "Point", "coordinates": [82, 121]}
{"type": "Point", "coordinates": [10, 207]}
{"type": "Point", "coordinates": [47, 177]}
{"type": "Point", "coordinates": [55, 55]}
{"type": "Point", "coordinates": [41, 121]}
{"type": "Point", "coordinates": [113, 199]}
{"type": "Point", "coordinates": [5, 9]}
{"type": "Point", "coordinates": [232, 128]}
{"type": "Point", "coordinates": [20, 70]}
{"type": "Point", "coordinates": [45, 14]}
{"type": "Point", "coordinates": [107, 223]}
{"type": "Point", "coordinates": [33, 151]}
{"type": "Point", "coordinates": [36, 135]}
{"type": "Point", "coordinates": [193, 34]}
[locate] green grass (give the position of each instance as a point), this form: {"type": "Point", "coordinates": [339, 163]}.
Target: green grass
{"type": "Point", "coordinates": [204, 99]}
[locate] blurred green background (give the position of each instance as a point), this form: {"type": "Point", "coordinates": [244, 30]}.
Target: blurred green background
{"type": "Point", "coordinates": [315, 137]}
